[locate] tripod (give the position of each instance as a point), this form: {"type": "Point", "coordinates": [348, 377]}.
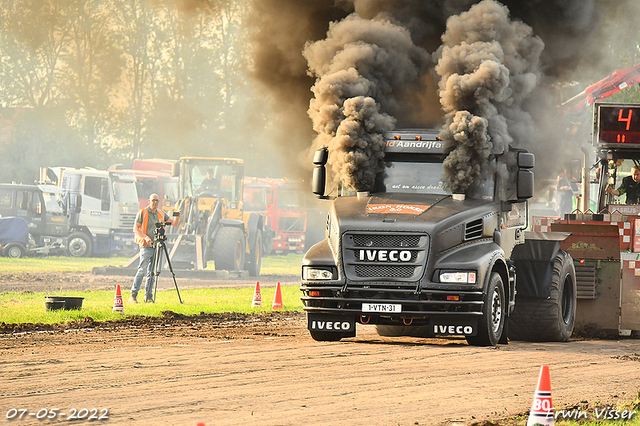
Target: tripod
{"type": "Point", "coordinates": [156, 265]}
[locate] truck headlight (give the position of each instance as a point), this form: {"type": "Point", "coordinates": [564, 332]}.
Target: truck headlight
{"type": "Point", "coordinates": [309, 273]}
{"type": "Point", "coordinates": [117, 238]}
{"type": "Point", "coordinates": [457, 277]}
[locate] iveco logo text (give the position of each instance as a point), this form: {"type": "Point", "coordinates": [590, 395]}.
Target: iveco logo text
{"type": "Point", "coordinates": [452, 329]}
{"type": "Point", "coordinates": [330, 325]}
{"type": "Point", "coordinates": [386, 255]}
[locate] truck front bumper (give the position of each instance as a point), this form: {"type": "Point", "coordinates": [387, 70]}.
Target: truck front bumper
{"type": "Point", "coordinates": [400, 305]}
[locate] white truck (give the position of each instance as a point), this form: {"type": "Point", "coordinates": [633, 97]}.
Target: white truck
{"type": "Point", "coordinates": [102, 207]}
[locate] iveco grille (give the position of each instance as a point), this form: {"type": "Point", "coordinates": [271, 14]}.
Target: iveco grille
{"type": "Point", "coordinates": [396, 257]}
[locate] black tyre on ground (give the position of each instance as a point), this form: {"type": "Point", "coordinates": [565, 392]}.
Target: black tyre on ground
{"type": "Point", "coordinates": [494, 314]}
{"type": "Point", "coordinates": [14, 250]}
{"type": "Point", "coordinates": [552, 319]}
{"type": "Point", "coordinates": [79, 245]}
{"type": "Point", "coordinates": [255, 256]}
{"type": "Point", "coordinates": [228, 249]}
{"type": "Point", "coordinates": [325, 336]}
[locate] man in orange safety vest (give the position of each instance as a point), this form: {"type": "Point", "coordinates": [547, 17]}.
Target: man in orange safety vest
{"type": "Point", "coordinates": [143, 229]}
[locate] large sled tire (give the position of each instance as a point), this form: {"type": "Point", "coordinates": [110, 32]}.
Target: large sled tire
{"type": "Point", "coordinates": [494, 314]}
{"type": "Point", "coordinates": [255, 260]}
{"type": "Point", "coordinates": [79, 245]}
{"type": "Point", "coordinates": [228, 249]}
{"type": "Point", "coordinates": [552, 319]}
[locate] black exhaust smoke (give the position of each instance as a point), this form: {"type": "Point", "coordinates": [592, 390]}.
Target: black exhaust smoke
{"type": "Point", "coordinates": [358, 69]}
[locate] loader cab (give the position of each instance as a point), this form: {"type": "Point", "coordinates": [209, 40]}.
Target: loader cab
{"type": "Point", "coordinates": [211, 179]}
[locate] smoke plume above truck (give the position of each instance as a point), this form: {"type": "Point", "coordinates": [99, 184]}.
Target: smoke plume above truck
{"type": "Point", "coordinates": [358, 68]}
{"type": "Point", "coordinates": [488, 66]}
{"type": "Point", "coordinates": [490, 70]}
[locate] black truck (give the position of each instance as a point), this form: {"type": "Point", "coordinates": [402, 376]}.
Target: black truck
{"type": "Point", "coordinates": [43, 209]}
{"type": "Point", "coordinates": [414, 259]}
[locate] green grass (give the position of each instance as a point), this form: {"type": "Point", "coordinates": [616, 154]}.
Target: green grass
{"type": "Point", "coordinates": [29, 307]}
{"type": "Point", "coordinates": [271, 265]}
{"type": "Point", "coordinates": [57, 263]}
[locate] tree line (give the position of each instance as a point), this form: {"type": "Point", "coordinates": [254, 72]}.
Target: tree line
{"type": "Point", "coordinates": [97, 82]}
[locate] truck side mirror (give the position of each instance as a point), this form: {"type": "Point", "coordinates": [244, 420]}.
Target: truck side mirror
{"type": "Point", "coordinates": [78, 203]}
{"type": "Point", "coordinates": [526, 161]}
{"type": "Point", "coordinates": [319, 177]}
{"type": "Point", "coordinates": [175, 169]}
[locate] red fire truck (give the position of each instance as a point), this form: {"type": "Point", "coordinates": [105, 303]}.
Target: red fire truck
{"type": "Point", "coordinates": [281, 201]}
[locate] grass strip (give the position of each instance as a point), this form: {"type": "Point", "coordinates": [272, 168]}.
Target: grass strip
{"type": "Point", "coordinates": [18, 308]}
{"type": "Point", "coordinates": [290, 264]}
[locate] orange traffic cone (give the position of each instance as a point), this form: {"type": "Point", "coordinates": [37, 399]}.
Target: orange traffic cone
{"type": "Point", "coordinates": [542, 407]}
{"type": "Point", "coordinates": [257, 297]}
{"type": "Point", "coordinates": [117, 301]}
{"type": "Point", "coordinates": [277, 299]}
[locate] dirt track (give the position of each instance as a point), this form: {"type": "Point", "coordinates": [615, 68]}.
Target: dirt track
{"type": "Point", "coordinates": [266, 370]}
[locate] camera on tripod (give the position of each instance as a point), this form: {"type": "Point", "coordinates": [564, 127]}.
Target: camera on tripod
{"type": "Point", "coordinates": [159, 232]}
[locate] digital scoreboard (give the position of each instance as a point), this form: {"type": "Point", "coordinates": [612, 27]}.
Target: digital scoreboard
{"type": "Point", "coordinates": [618, 125]}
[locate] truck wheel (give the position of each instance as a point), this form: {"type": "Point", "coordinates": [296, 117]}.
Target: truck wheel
{"type": "Point", "coordinates": [325, 336]}
{"type": "Point", "coordinates": [494, 314]}
{"type": "Point", "coordinates": [14, 250]}
{"type": "Point", "coordinates": [552, 319]}
{"type": "Point", "coordinates": [256, 257]}
{"type": "Point", "coordinates": [79, 245]}
{"type": "Point", "coordinates": [228, 249]}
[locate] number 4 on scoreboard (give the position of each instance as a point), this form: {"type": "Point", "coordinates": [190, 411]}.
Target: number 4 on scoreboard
{"type": "Point", "coordinates": [626, 119]}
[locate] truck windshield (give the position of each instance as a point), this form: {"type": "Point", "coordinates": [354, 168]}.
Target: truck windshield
{"type": "Point", "coordinates": [53, 202]}
{"type": "Point", "coordinates": [289, 197]}
{"type": "Point", "coordinates": [170, 188]}
{"type": "Point", "coordinates": [255, 198]}
{"type": "Point", "coordinates": [426, 176]}
{"type": "Point", "coordinates": [125, 191]}
{"type": "Point", "coordinates": [219, 180]}
{"type": "Point", "coordinates": [412, 177]}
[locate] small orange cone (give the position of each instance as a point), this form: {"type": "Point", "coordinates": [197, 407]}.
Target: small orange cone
{"type": "Point", "coordinates": [257, 297]}
{"type": "Point", "coordinates": [117, 301]}
{"type": "Point", "coordinates": [277, 299]}
{"type": "Point", "coordinates": [542, 407]}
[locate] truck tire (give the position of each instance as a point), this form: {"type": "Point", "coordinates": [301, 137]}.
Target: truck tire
{"type": "Point", "coordinates": [494, 314]}
{"type": "Point", "coordinates": [228, 249]}
{"type": "Point", "coordinates": [14, 250]}
{"type": "Point", "coordinates": [255, 260]}
{"type": "Point", "coordinates": [79, 245]}
{"type": "Point", "coordinates": [325, 336]}
{"type": "Point", "coordinates": [552, 319]}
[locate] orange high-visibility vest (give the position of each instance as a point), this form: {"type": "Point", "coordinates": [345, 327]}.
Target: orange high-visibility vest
{"type": "Point", "coordinates": [145, 220]}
